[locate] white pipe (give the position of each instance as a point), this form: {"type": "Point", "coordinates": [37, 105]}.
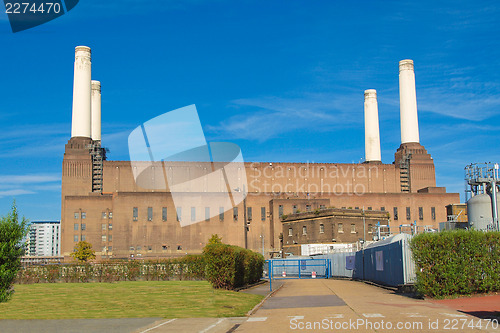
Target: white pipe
{"type": "Point", "coordinates": [408, 102]}
{"type": "Point", "coordinates": [81, 121]}
{"type": "Point", "coordinates": [96, 110]}
{"type": "Point", "coordinates": [372, 134]}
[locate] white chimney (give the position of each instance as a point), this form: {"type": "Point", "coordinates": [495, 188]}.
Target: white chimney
{"type": "Point", "coordinates": [408, 102]}
{"type": "Point", "coordinates": [81, 121]}
{"type": "Point", "coordinates": [372, 134]}
{"type": "Point", "coordinates": [96, 110]}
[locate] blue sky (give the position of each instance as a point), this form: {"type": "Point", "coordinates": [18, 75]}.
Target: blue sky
{"type": "Point", "coordinates": [282, 79]}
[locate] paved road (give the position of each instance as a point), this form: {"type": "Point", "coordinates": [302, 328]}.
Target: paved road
{"type": "Point", "coordinates": [313, 305]}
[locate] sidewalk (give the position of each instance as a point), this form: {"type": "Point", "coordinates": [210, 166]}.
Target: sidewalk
{"type": "Point", "coordinates": [351, 306]}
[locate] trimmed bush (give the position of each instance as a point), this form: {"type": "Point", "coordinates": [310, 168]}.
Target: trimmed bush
{"type": "Point", "coordinates": [190, 267]}
{"type": "Point", "coordinates": [460, 262]}
{"type": "Point", "coordinates": [229, 267]}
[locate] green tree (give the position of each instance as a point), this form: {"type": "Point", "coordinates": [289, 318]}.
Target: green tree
{"type": "Point", "coordinates": [83, 252]}
{"type": "Point", "coordinates": [215, 239]}
{"type": "Point", "coordinates": [12, 232]}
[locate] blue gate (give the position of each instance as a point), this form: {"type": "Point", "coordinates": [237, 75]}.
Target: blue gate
{"type": "Point", "coordinates": [280, 269]}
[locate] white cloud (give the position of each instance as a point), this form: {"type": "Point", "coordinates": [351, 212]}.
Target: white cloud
{"type": "Point", "coordinates": [15, 192]}
{"type": "Point", "coordinates": [29, 178]}
{"type": "Point", "coordinates": [272, 116]}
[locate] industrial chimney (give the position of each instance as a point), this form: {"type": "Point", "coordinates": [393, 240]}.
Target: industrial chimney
{"type": "Point", "coordinates": [408, 102]}
{"type": "Point", "coordinates": [81, 121]}
{"type": "Point", "coordinates": [372, 134]}
{"type": "Point", "coordinates": [96, 111]}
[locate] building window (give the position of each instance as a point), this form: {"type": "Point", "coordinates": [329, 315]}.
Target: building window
{"type": "Point", "coordinates": [135, 213]}
{"type": "Point", "coordinates": [76, 226]}
{"type": "Point", "coordinates": [84, 215]}
{"type": "Point", "coordinates": [110, 238]}
{"type": "Point", "coordinates": [207, 214]}
{"type": "Point", "coordinates": [395, 213]}
{"type": "Point", "coordinates": [369, 208]}
{"type": "Point", "coordinates": [249, 213]}
{"type": "Point", "coordinates": [408, 213]}
{"type": "Point", "coordinates": [235, 213]}
{"type": "Point", "coordinates": [321, 206]}
{"type": "Point", "coordinates": [110, 215]}
{"type": "Point", "coordinates": [132, 248]}
{"type": "Point", "coordinates": [103, 226]}
{"type": "Point", "coordinates": [341, 228]}
{"type": "Point", "coordinates": [420, 213]}
{"type": "Point", "coordinates": [304, 230]}
{"type": "Point", "coordinates": [433, 213]}
{"type": "Point", "coordinates": [84, 226]}
{"type": "Point", "coordinates": [138, 248]}
{"type": "Point", "coordinates": [179, 213]}
{"type": "Point", "coordinates": [263, 213]}
{"type": "Point", "coordinates": [321, 228]}
{"type": "Point", "coordinates": [290, 232]}
{"type": "Point", "coordinates": [110, 248]}
{"type": "Point", "coordinates": [354, 207]}
{"type": "Point", "coordinates": [164, 214]}
{"type": "Point", "coordinates": [295, 209]}
{"type": "Point", "coordinates": [75, 238]}
{"type": "Point", "coordinates": [308, 208]}
{"type": "Point", "coordinates": [103, 237]}
{"type": "Point", "coordinates": [150, 248]}
{"type": "Point", "coordinates": [221, 214]}
{"type": "Point", "coordinates": [110, 226]}
{"type": "Point", "coordinates": [280, 210]}
{"type": "Point", "coordinates": [353, 228]}
{"type": "Point", "coordinates": [77, 216]}
{"type": "Point", "coordinates": [150, 213]}
{"type": "Point", "coordinates": [103, 215]}
{"type": "Point", "coordinates": [193, 214]}
{"type": "Point", "coordinates": [370, 228]}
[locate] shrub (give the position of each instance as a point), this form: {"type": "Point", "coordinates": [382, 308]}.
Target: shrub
{"type": "Point", "coordinates": [230, 267]}
{"type": "Point", "coordinates": [457, 262]}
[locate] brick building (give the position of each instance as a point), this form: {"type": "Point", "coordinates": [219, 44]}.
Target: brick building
{"type": "Point", "coordinates": [102, 203]}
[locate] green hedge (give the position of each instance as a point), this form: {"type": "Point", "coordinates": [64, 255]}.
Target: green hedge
{"type": "Point", "coordinates": [457, 262]}
{"type": "Point", "coordinates": [230, 267]}
{"type": "Point", "coordinates": [190, 267]}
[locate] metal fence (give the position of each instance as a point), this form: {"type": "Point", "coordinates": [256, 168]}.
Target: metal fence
{"type": "Point", "coordinates": [299, 268]}
{"type": "Point", "coordinates": [389, 263]}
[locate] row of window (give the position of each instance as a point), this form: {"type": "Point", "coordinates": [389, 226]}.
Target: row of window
{"type": "Point", "coordinates": [104, 238]}
{"type": "Point", "coordinates": [83, 215]}
{"type": "Point", "coordinates": [193, 214]}
{"type": "Point", "coordinates": [420, 213]}
{"type": "Point", "coordinates": [340, 229]}
{"type": "Point", "coordinates": [83, 226]}
{"type": "Point", "coordinates": [295, 209]}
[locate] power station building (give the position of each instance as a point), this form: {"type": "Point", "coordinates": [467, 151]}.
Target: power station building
{"type": "Point", "coordinates": [103, 204]}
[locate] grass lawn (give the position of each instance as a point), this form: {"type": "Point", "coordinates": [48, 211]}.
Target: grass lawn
{"type": "Point", "coordinates": [133, 299]}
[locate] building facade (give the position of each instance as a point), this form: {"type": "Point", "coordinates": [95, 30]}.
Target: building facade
{"type": "Point", "coordinates": [44, 239]}
{"type": "Point", "coordinates": [103, 204]}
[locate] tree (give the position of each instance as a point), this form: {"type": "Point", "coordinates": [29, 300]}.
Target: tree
{"type": "Point", "coordinates": [12, 232]}
{"type": "Point", "coordinates": [83, 252]}
{"type": "Point", "coordinates": [215, 239]}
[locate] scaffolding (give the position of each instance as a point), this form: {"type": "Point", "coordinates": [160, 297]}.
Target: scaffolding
{"type": "Point", "coordinates": [98, 155]}
{"type": "Point", "coordinates": [404, 173]}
